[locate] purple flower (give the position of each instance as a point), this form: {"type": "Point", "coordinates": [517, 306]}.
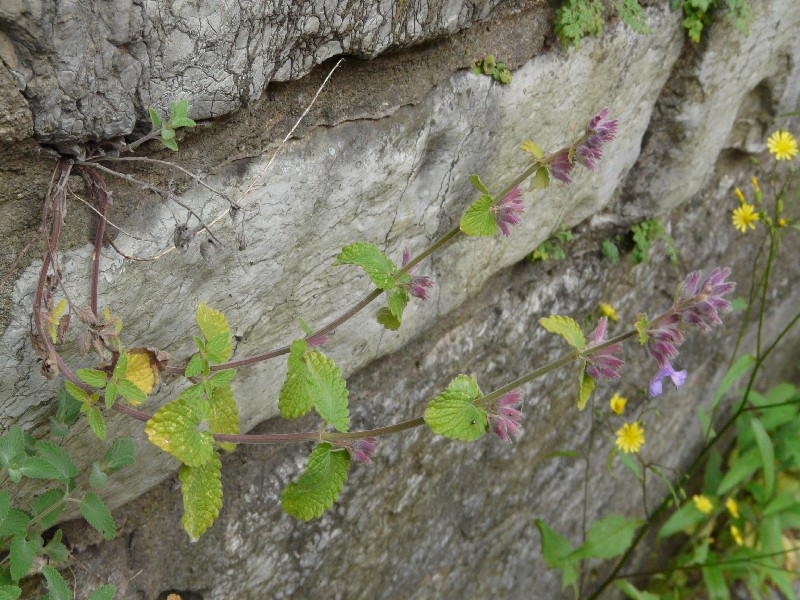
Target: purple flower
{"type": "Point", "coordinates": [508, 210]}
{"type": "Point", "coordinates": [504, 417]}
{"type": "Point", "coordinates": [704, 303]}
{"type": "Point", "coordinates": [589, 150]}
{"type": "Point", "coordinates": [419, 283]}
{"type": "Point", "coordinates": [678, 379]}
{"type": "Point", "coordinates": [604, 364]}
{"type": "Point", "coordinates": [664, 338]}
{"type": "Point", "coordinates": [361, 449]}
{"type": "Point", "coordinates": [560, 166]}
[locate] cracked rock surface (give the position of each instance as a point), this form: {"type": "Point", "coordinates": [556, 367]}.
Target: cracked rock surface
{"type": "Point", "coordinates": [387, 161]}
{"type": "Point", "coordinates": [89, 70]}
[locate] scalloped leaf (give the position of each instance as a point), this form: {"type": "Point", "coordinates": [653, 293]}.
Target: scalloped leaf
{"type": "Point", "coordinates": [566, 327]}
{"type": "Point", "coordinates": [173, 428]}
{"type": "Point", "coordinates": [319, 486]}
{"type": "Point", "coordinates": [141, 371]}
{"type": "Point", "coordinates": [540, 179]}
{"type": "Point", "coordinates": [453, 414]}
{"type": "Point", "coordinates": [106, 592]}
{"type": "Point", "coordinates": [21, 555]}
{"type": "Point", "coordinates": [223, 414]}
{"type": "Point", "coordinates": [92, 377]}
{"type": "Point", "coordinates": [479, 220]}
{"type": "Point", "coordinates": [294, 400]}
{"type": "Point", "coordinates": [57, 588]}
{"type": "Point", "coordinates": [202, 496]}
{"type": "Point", "coordinates": [327, 389]}
{"type": "Point", "coordinates": [121, 453]}
{"type": "Point", "coordinates": [46, 507]}
{"type": "Point", "coordinates": [398, 300]}
{"type": "Point", "coordinates": [375, 263]}
{"type": "Point", "coordinates": [216, 330]}
{"type": "Point", "coordinates": [98, 516]}
{"type": "Point", "coordinates": [385, 317]}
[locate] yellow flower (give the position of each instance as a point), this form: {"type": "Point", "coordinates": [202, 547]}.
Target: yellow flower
{"type": "Point", "coordinates": [703, 504]}
{"type": "Point", "coordinates": [739, 195]}
{"type": "Point", "coordinates": [617, 403]}
{"type": "Point", "coordinates": [630, 437]}
{"type": "Point", "coordinates": [783, 145]}
{"type": "Point", "coordinates": [781, 222]}
{"type": "Point", "coordinates": [736, 535]}
{"type": "Point", "coordinates": [745, 215]}
{"type": "Point", "coordinates": [755, 184]}
{"type": "Point", "coordinates": [732, 507]}
{"type": "Point", "coordinates": [608, 311]}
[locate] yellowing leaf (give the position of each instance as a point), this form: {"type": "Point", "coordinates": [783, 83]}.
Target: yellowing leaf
{"type": "Point", "coordinates": [202, 495]}
{"type": "Point", "coordinates": [141, 370]}
{"type": "Point", "coordinates": [532, 149]}
{"type": "Point", "coordinates": [224, 414]}
{"type": "Point", "coordinates": [586, 387]}
{"type": "Point", "coordinates": [566, 327]}
{"type": "Point", "coordinates": [216, 331]}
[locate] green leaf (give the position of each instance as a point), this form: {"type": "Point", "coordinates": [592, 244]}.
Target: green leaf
{"type": "Point", "coordinates": [631, 592]}
{"type": "Point", "coordinates": [453, 413]}
{"type": "Point", "coordinates": [219, 349]}
{"type": "Point", "coordinates": [56, 586]}
{"type": "Point", "coordinates": [641, 326]}
{"type": "Point", "coordinates": [610, 251]}
{"type": "Point", "coordinates": [686, 516]}
{"type": "Point", "coordinates": [540, 179]}
{"type": "Point", "coordinates": [15, 523]}
{"type": "Point", "coordinates": [531, 149]}
{"type": "Point", "coordinates": [69, 409]}
{"type": "Point", "coordinates": [608, 537]}
{"type": "Point", "coordinates": [294, 399]}
{"type": "Point", "coordinates": [121, 453]}
{"type": "Point", "coordinates": [562, 454]}
{"type": "Point", "coordinates": [715, 583]}
{"type": "Point", "coordinates": [374, 262]}
{"type": "Point", "coordinates": [566, 327]}
{"type": "Point", "coordinates": [154, 119]}
{"type": "Point", "coordinates": [110, 394]}
{"type": "Point", "coordinates": [202, 495]}
{"type": "Point", "coordinates": [39, 468]}
{"type": "Point", "coordinates": [131, 392]}
{"type": "Point", "coordinates": [739, 368]}
{"type": "Point", "coordinates": [557, 553]}
{"type": "Point", "coordinates": [744, 467]}
{"type": "Point", "coordinates": [327, 389]}
{"type": "Point", "coordinates": [387, 319]}
{"type": "Point", "coordinates": [21, 554]}
{"type": "Point", "coordinates": [195, 366]}
{"type": "Point", "coordinates": [5, 505]}
{"type": "Point", "coordinates": [12, 447]}
{"type": "Point", "coordinates": [9, 592]}
{"type": "Point", "coordinates": [216, 330]}
{"type": "Point", "coordinates": [97, 478]}
{"type": "Point", "coordinates": [107, 592]}
{"type": "Point", "coordinates": [92, 377]}
{"type": "Point", "coordinates": [173, 428]}
{"type": "Point", "coordinates": [318, 487]}
{"type": "Point", "coordinates": [222, 378]}
{"type": "Point", "coordinates": [168, 139]}
{"type": "Point", "coordinates": [59, 458]}
{"type": "Point", "coordinates": [398, 300]}
{"type": "Point", "coordinates": [96, 422]}
{"type": "Point", "coordinates": [479, 220]}
{"type": "Point", "coordinates": [182, 122]}
{"type": "Point", "coordinates": [585, 387]}
{"type": "Point", "coordinates": [767, 452]}
{"type": "Point", "coordinates": [75, 391]}
{"type": "Point", "coordinates": [224, 414]}
{"type": "Point", "coordinates": [121, 367]}
{"type": "Point", "coordinates": [476, 182]}
{"type": "Point", "coordinates": [179, 114]}
{"type": "Point", "coordinates": [98, 516]}
{"type": "Point", "coordinates": [50, 503]}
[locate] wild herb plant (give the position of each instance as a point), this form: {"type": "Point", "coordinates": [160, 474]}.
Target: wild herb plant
{"type": "Point", "coordinates": [496, 70]}
{"type": "Point", "coordinates": [739, 530]}
{"type": "Point", "coordinates": [552, 248]}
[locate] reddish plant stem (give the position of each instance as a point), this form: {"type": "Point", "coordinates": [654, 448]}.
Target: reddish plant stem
{"type": "Point", "coordinates": [101, 228]}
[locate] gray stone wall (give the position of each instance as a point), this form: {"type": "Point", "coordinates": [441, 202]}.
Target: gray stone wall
{"type": "Point", "coordinates": [385, 158]}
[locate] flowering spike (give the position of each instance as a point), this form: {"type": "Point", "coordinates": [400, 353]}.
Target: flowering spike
{"type": "Point", "coordinates": [704, 303]}
{"type": "Point", "coordinates": [505, 418]}
{"type": "Point", "coordinates": [603, 364]}
{"type": "Point", "coordinates": [507, 211]}
{"type": "Point", "coordinates": [588, 151]}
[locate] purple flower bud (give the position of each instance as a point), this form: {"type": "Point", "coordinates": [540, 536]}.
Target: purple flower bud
{"type": "Point", "coordinates": [504, 416]}
{"type": "Point", "coordinates": [604, 364]}
{"type": "Point", "coordinates": [361, 449]}
{"type": "Point", "coordinates": [560, 166]}
{"type": "Point", "coordinates": [507, 211]}
{"type": "Point", "coordinates": [599, 132]}
{"type": "Point", "coordinates": [419, 283]}
{"type": "Point", "coordinates": [664, 338]}
{"type": "Point", "coordinates": [656, 386]}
